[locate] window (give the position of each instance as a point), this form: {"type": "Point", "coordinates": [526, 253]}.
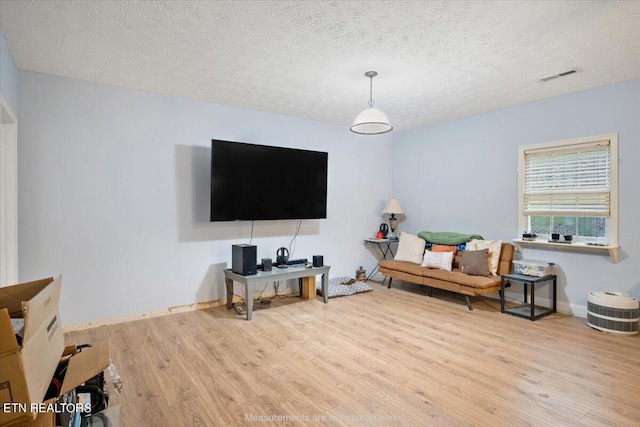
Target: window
{"type": "Point", "coordinates": [571, 188]}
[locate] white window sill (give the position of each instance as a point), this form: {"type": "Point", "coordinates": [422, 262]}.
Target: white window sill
{"type": "Point", "coordinates": [580, 246]}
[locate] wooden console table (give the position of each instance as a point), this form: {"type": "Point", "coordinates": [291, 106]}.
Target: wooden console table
{"type": "Point", "coordinates": [306, 276]}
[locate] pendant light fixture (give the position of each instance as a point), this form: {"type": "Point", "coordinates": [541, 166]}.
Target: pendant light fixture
{"type": "Point", "coordinates": [371, 121]}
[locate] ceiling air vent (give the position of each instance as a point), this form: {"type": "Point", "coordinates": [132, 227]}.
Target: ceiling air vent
{"type": "Point", "coordinates": [555, 76]}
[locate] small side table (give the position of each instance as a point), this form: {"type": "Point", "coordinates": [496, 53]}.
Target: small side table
{"type": "Point", "coordinates": [384, 249]}
{"type": "Point", "coordinates": [529, 310]}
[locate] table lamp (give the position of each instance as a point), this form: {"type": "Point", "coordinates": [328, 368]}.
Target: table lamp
{"type": "Point", "coordinates": [393, 207]}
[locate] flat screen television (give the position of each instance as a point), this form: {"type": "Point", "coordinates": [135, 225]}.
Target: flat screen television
{"type": "Point", "coordinates": [261, 182]}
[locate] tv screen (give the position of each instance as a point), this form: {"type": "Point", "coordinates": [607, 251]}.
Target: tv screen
{"type": "Point", "coordinates": [261, 182]}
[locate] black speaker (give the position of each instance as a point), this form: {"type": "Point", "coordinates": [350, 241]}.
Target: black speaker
{"type": "Point", "coordinates": [243, 259]}
{"type": "Point", "coordinates": [318, 260]}
{"type": "Point", "coordinates": [266, 264]}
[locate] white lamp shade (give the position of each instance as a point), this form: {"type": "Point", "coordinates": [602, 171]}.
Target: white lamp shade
{"type": "Point", "coordinates": [371, 122]}
{"type": "Point", "coordinates": [393, 207]}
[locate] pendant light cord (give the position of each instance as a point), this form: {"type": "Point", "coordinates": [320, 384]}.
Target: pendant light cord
{"type": "Point", "coordinates": [371, 91]}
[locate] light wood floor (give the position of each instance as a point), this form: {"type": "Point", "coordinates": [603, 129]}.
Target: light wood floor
{"type": "Point", "coordinates": [387, 357]}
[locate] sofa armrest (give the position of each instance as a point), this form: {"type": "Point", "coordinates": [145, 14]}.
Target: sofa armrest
{"type": "Point", "coordinates": [506, 259]}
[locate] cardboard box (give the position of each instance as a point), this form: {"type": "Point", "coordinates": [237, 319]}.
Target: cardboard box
{"type": "Point", "coordinates": [81, 366]}
{"type": "Point", "coordinates": [26, 371]}
{"type": "Point", "coordinates": [44, 419]}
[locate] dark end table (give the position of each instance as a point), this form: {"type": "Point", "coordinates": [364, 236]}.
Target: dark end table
{"type": "Point", "coordinates": [529, 310]}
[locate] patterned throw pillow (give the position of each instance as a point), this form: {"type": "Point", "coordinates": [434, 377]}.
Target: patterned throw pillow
{"type": "Point", "coordinates": [439, 260]}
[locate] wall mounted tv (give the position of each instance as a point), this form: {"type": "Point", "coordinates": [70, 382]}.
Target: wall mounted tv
{"type": "Point", "coordinates": [261, 182]}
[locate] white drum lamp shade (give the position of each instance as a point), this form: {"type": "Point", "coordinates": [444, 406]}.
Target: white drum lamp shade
{"type": "Point", "coordinates": [371, 122]}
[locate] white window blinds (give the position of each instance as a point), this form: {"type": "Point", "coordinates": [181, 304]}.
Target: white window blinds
{"type": "Point", "coordinates": [568, 181]}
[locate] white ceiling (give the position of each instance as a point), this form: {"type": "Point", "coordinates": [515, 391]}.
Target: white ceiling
{"type": "Point", "coordinates": [437, 60]}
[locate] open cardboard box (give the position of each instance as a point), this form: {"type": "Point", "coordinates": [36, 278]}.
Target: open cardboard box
{"type": "Point", "coordinates": [81, 366]}
{"type": "Point", "coordinates": [26, 371]}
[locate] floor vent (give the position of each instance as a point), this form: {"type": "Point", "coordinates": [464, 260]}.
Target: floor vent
{"type": "Point", "coordinates": [613, 312]}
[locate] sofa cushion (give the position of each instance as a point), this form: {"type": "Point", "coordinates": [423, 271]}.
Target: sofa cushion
{"type": "Point", "coordinates": [494, 247]}
{"type": "Point", "coordinates": [410, 248]}
{"type": "Point", "coordinates": [456, 276]}
{"type": "Point", "coordinates": [476, 263]}
{"type": "Point", "coordinates": [411, 272]}
{"type": "Point", "coordinates": [439, 260]}
{"type": "Point", "coordinates": [403, 266]}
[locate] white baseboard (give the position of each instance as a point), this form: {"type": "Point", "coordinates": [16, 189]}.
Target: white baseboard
{"type": "Point", "coordinates": [562, 306]}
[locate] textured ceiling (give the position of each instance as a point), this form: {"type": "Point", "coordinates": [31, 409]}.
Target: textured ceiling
{"type": "Point", "coordinates": [436, 60]}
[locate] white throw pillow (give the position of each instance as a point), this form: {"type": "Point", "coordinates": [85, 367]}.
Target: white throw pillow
{"type": "Point", "coordinates": [439, 260]}
{"type": "Point", "coordinates": [494, 246]}
{"type": "Point", "coordinates": [410, 248]}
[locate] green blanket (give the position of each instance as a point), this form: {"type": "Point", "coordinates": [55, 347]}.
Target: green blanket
{"type": "Point", "coordinates": [447, 237]}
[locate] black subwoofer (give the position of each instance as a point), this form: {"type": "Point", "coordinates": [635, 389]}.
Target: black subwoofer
{"type": "Point", "coordinates": [243, 259]}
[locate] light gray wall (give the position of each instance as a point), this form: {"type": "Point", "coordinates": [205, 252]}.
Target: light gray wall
{"type": "Point", "coordinates": [8, 76]}
{"type": "Point", "coordinates": [462, 176]}
{"type": "Point", "coordinates": [114, 190]}
{"type": "Point", "coordinates": [114, 195]}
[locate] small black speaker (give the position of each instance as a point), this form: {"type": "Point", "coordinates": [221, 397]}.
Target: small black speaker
{"type": "Point", "coordinates": [318, 260]}
{"type": "Point", "coordinates": [243, 259]}
{"type": "Point", "coordinates": [267, 265]}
